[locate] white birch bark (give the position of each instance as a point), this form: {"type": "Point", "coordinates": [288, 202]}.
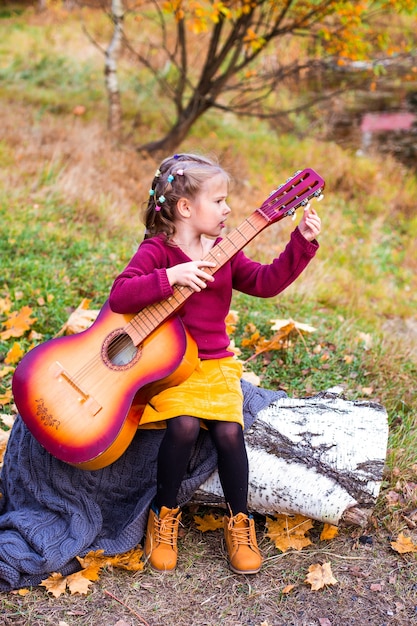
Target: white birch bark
{"type": "Point", "coordinates": [110, 68]}
{"type": "Point", "coordinates": [322, 457]}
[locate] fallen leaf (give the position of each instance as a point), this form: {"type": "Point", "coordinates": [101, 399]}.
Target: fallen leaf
{"type": "Point", "coordinates": [78, 583]}
{"type": "Point", "coordinates": [23, 592]}
{"type": "Point", "coordinates": [5, 305]}
{"type": "Point", "coordinates": [329, 532]}
{"type": "Point", "coordinates": [288, 531]}
{"type": "Point", "coordinates": [288, 588]}
{"type": "Point", "coordinates": [14, 354]}
{"type": "Point", "coordinates": [5, 371]}
{"type": "Point", "coordinates": [55, 584]}
{"type": "Point", "coordinates": [252, 378]}
{"type": "Point", "coordinates": [131, 561]}
{"type": "Point", "coordinates": [79, 320]}
{"type": "Point", "coordinates": [320, 575]}
{"type": "Point", "coordinates": [4, 438]}
{"type": "Point", "coordinates": [403, 544]}
{"type": "Point", "coordinates": [208, 522]}
{"type": "Point", "coordinates": [279, 324]}
{"type": "Point", "coordinates": [6, 397]}
{"type": "Point", "coordinates": [79, 110]}
{"type": "Point", "coordinates": [18, 323]}
{"type": "Point", "coordinates": [231, 320]}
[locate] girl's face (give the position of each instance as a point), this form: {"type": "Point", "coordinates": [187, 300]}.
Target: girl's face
{"type": "Point", "coordinates": [209, 209]}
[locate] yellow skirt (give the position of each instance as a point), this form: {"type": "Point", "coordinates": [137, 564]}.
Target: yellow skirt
{"type": "Point", "coordinates": [212, 392]}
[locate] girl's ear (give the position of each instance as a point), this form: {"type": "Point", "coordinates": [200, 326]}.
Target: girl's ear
{"type": "Point", "coordinates": [183, 207]}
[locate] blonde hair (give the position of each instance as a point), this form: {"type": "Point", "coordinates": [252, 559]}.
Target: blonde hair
{"type": "Point", "coordinates": [178, 176]}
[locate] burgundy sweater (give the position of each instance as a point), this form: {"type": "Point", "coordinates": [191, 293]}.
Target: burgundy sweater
{"type": "Point", "coordinates": [144, 281]}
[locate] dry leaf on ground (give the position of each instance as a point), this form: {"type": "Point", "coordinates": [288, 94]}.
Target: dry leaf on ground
{"type": "Point", "coordinates": [319, 576]}
{"type": "Point", "coordinates": [288, 531]}
{"type": "Point", "coordinates": [79, 320]}
{"type": "Point", "coordinates": [329, 532]}
{"type": "Point", "coordinates": [208, 522]}
{"type": "Point", "coordinates": [403, 544]}
{"type": "Point", "coordinates": [18, 323]}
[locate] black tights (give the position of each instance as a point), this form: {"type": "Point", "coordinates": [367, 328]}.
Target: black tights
{"type": "Point", "coordinates": [174, 454]}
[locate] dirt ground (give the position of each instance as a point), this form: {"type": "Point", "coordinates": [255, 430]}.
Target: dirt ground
{"type": "Point", "coordinates": [375, 586]}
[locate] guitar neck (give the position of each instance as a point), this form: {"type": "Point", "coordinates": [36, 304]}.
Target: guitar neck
{"type": "Point", "coordinates": [295, 192]}
{"type": "Point", "coordinates": [149, 318]}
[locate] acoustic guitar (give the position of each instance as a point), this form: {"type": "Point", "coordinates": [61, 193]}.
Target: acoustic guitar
{"type": "Point", "coordinates": [82, 396]}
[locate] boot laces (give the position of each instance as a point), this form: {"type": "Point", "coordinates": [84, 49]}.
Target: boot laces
{"type": "Point", "coordinates": [165, 529]}
{"type": "Point", "coordinates": [240, 535]}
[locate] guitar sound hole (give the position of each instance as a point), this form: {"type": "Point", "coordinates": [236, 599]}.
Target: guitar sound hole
{"type": "Point", "coordinates": [120, 351]}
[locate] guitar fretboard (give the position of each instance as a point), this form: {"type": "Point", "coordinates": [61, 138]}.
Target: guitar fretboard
{"type": "Point", "coordinates": [149, 318]}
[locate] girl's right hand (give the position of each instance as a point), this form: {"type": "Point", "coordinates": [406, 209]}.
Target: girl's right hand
{"type": "Point", "coordinates": [190, 274]}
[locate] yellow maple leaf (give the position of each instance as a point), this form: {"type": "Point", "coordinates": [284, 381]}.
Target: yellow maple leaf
{"type": "Point", "coordinates": [78, 583]}
{"type": "Point", "coordinates": [281, 324]}
{"type": "Point", "coordinates": [18, 323]}
{"type": "Point", "coordinates": [208, 522]}
{"type": "Point", "coordinates": [403, 544]}
{"type": "Point", "coordinates": [55, 584]}
{"type": "Point", "coordinates": [6, 397]}
{"type": "Point", "coordinates": [329, 532]}
{"type": "Point", "coordinates": [79, 320]}
{"type": "Point", "coordinates": [93, 562]}
{"type": "Point", "coordinates": [231, 320]}
{"type": "Point", "coordinates": [14, 354]}
{"type": "Point", "coordinates": [288, 531]}
{"type": "Point", "coordinates": [130, 561]}
{"type": "Point", "coordinates": [5, 304]}
{"type": "Point", "coordinates": [319, 576]}
{"type": "Point", "coordinates": [4, 438]}
{"type": "Point", "coordinates": [5, 371]}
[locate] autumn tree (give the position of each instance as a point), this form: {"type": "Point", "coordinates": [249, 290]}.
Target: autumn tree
{"type": "Point", "coordinates": [237, 55]}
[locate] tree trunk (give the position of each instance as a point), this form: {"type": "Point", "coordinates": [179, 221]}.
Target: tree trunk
{"type": "Point", "coordinates": [177, 133]}
{"type": "Point", "coordinates": [110, 70]}
{"type": "Point", "coordinates": [322, 457]}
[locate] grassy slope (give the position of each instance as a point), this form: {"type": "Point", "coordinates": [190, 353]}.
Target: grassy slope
{"type": "Point", "coordinates": [69, 205]}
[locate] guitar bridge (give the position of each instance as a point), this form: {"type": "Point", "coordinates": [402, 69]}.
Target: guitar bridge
{"type": "Point", "coordinates": [58, 371]}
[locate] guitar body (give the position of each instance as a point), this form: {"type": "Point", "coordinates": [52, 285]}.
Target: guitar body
{"type": "Point", "coordinates": [74, 393]}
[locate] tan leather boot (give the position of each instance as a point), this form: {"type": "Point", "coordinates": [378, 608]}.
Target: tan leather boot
{"type": "Point", "coordinates": [161, 538]}
{"type": "Point", "coordinates": [240, 536]}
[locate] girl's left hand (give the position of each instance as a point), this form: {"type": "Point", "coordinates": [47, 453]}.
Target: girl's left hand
{"type": "Point", "coordinates": [310, 224]}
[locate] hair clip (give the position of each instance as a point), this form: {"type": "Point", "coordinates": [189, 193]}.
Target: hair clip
{"type": "Point", "coordinates": [170, 178]}
{"type": "Point", "coordinates": [151, 192]}
{"type": "Point", "coordinates": [157, 207]}
{"type": "Point", "coordinates": [180, 172]}
{"type": "Point", "coordinates": [176, 156]}
{"type": "Point", "coordinates": [157, 173]}
{"type": "Point", "coordinates": [161, 199]}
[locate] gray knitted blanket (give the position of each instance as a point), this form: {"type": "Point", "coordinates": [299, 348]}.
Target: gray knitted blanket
{"type": "Point", "coordinates": [51, 512]}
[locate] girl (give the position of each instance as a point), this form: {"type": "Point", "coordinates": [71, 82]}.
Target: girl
{"type": "Point", "coordinates": [185, 215]}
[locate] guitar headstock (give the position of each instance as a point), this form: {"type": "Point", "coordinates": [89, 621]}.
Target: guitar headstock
{"type": "Point", "coordinates": [296, 191]}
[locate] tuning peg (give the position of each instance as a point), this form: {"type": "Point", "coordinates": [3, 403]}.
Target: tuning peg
{"type": "Point", "coordinates": [318, 195]}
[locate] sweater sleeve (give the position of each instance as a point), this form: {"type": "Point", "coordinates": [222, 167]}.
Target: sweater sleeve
{"type": "Point", "coordinates": [144, 281]}
{"type": "Point", "coordinates": [266, 281]}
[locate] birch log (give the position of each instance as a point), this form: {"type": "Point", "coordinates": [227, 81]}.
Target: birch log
{"type": "Point", "coordinates": [322, 457]}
